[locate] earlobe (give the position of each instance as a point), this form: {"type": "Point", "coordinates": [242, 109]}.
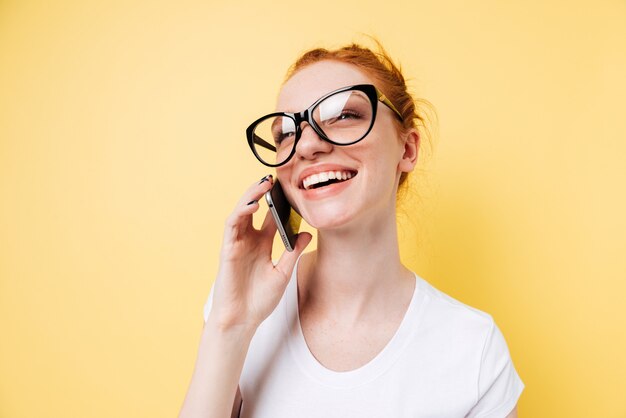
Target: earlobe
{"type": "Point", "coordinates": [410, 151]}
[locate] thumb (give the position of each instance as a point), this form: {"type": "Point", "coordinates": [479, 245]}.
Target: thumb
{"type": "Point", "coordinates": [288, 259]}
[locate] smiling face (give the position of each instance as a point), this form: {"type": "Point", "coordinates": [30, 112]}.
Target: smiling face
{"type": "Point", "coordinates": [363, 176]}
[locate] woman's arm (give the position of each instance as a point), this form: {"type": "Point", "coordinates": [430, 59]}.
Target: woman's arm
{"type": "Point", "coordinates": [247, 289]}
{"type": "Point", "coordinates": [214, 384]}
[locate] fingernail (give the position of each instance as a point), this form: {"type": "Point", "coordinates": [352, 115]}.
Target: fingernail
{"type": "Point", "coordinates": [266, 178]}
{"type": "Point", "coordinates": [252, 202]}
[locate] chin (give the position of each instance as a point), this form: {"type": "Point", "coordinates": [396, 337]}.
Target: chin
{"type": "Point", "coordinates": [329, 219]}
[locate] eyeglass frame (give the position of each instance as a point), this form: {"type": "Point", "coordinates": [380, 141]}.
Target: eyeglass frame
{"type": "Point", "coordinates": [370, 91]}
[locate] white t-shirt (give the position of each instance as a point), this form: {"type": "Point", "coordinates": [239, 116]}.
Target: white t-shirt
{"type": "Point", "coordinates": [446, 360]}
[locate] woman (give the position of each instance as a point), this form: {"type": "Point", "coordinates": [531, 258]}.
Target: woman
{"type": "Point", "coordinates": [345, 330]}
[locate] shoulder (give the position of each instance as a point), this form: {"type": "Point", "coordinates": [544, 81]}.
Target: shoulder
{"type": "Point", "coordinates": [444, 311]}
{"type": "Point", "coordinates": [466, 343]}
{"type": "Point", "coordinates": [453, 333]}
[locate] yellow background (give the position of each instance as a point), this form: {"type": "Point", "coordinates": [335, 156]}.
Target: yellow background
{"type": "Point", "coordinates": [122, 151]}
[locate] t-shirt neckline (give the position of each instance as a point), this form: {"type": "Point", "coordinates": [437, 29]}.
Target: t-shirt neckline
{"type": "Point", "coordinates": [369, 371]}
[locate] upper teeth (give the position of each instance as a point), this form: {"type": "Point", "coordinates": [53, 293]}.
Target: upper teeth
{"type": "Point", "coordinates": [325, 176]}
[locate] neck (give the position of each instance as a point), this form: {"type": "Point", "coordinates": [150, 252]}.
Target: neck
{"type": "Point", "coordinates": [355, 273]}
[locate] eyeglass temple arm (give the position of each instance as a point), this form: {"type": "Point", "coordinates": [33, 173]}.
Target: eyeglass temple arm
{"type": "Point", "coordinates": [390, 105]}
{"type": "Point", "coordinates": [257, 140]}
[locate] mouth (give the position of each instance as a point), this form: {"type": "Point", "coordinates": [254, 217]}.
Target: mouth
{"type": "Point", "coordinates": [326, 178]}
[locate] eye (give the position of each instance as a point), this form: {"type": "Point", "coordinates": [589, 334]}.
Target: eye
{"type": "Point", "coordinates": [283, 136]}
{"type": "Point", "coordinates": [346, 116]}
{"type": "Point", "coordinates": [280, 137]}
{"type": "Point", "coordinates": [349, 114]}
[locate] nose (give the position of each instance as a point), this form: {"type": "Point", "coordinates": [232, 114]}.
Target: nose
{"type": "Point", "coordinates": [310, 144]}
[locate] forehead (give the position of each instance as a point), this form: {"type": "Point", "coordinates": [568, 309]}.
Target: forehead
{"type": "Point", "coordinates": [315, 80]}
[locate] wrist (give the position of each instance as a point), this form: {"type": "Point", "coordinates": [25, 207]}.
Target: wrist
{"type": "Point", "coordinates": [230, 331]}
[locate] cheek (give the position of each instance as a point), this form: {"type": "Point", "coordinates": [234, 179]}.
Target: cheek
{"type": "Point", "coordinates": [284, 172]}
{"type": "Point", "coordinates": [283, 175]}
{"type": "Point", "coordinates": [378, 154]}
{"type": "Point", "coordinates": [381, 166]}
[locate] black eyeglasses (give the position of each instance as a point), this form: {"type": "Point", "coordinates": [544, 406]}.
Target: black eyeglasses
{"type": "Point", "coordinates": [341, 117]}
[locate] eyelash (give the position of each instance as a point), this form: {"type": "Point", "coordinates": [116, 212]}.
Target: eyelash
{"type": "Point", "coordinates": [350, 113]}
{"type": "Point", "coordinates": [282, 137]}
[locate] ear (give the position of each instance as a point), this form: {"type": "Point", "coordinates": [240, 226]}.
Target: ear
{"type": "Point", "coordinates": [410, 151]}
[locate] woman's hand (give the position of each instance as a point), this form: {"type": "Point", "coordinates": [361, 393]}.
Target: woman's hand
{"type": "Point", "coordinates": [248, 286]}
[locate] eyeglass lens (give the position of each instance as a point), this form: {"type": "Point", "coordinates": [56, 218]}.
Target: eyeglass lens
{"type": "Point", "coordinates": [344, 117]}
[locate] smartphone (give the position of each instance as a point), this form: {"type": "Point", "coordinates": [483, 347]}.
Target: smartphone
{"type": "Point", "coordinates": [286, 218]}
